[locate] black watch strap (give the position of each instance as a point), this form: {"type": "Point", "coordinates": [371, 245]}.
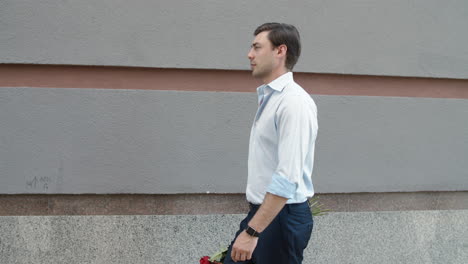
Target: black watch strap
{"type": "Point", "coordinates": [252, 232]}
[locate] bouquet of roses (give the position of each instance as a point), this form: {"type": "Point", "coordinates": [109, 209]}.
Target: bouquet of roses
{"type": "Point", "coordinates": [217, 258]}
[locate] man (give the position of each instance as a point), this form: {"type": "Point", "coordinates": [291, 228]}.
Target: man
{"type": "Point", "coordinates": [279, 224]}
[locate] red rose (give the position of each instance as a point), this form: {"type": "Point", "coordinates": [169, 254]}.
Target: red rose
{"type": "Point", "coordinates": [205, 260]}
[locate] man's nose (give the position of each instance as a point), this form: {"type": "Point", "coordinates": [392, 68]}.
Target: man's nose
{"type": "Point", "coordinates": [250, 55]}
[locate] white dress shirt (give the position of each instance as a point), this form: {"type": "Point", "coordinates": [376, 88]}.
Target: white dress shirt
{"type": "Point", "coordinates": [282, 142]}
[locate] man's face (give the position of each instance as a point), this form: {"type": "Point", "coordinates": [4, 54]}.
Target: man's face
{"type": "Point", "coordinates": [262, 56]}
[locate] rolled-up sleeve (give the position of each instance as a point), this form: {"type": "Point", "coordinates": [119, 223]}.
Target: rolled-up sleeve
{"type": "Point", "coordinates": [293, 124]}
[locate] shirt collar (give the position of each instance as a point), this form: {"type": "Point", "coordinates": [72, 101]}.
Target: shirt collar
{"type": "Point", "coordinates": [279, 83]}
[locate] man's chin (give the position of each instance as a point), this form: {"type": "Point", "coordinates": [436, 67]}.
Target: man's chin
{"type": "Point", "coordinates": [256, 74]}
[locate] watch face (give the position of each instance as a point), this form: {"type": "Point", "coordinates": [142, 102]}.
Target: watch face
{"type": "Point", "coordinates": [252, 232]}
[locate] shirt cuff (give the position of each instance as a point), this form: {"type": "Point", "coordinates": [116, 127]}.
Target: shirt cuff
{"type": "Point", "coordinates": [282, 187]}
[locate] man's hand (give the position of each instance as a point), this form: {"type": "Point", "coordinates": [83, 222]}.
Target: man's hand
{"type": "Point", "coordinates": [243, 247]}
{"type": "Point", "coordinates": [245, 244]}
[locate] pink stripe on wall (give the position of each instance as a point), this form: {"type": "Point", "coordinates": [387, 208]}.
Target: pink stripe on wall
{"type": "Point", "coordinates": [106, 77]}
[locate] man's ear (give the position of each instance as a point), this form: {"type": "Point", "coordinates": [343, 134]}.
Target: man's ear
{"type": "Point", "coordinates": [282, 49]}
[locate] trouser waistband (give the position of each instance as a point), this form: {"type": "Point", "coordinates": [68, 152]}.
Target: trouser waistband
{"type": "Point", "coordinates": [256, 206]}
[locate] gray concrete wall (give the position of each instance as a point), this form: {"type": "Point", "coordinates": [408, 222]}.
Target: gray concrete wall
{"type": "Point", "coordinates": [424, 38]}
{"type": "Point", "coordinates": [416, 237]}
{"type": "Point", "coordinates": [66, 140]}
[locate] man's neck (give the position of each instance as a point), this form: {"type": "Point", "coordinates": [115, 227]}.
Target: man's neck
{"type": "Point", "coordinates": [274, 75]}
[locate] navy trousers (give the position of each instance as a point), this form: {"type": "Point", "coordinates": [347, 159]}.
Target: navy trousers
{"type": "Point", "coordinates": [284, 240]}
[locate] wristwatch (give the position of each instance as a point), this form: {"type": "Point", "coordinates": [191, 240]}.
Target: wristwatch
{"type": "Point", "coordinates": [252, 232]}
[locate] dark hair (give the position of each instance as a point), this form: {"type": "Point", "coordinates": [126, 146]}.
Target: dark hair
{"type": "Point", "coordinates": [280, 33]}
